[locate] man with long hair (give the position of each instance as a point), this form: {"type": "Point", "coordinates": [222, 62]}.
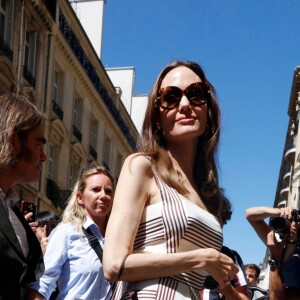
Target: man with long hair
{"type": "Point", "coordinates": [21, 156]}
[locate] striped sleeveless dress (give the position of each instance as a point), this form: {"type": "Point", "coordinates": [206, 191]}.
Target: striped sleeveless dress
{"type": "Point", "coordinates": [173, 225]}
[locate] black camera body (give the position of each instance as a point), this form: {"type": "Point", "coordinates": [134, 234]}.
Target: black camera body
{"type": "Point", "coordinates": [282, 225]}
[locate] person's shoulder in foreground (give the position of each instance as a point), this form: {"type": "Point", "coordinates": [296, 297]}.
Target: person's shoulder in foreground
{"type": "Point", "coordinates": [21, 156]}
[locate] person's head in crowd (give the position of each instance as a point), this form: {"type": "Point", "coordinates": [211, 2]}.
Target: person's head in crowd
{"type": "Point", "coordinates": [252, 272]}
{"type": "Point", "coordinates": [92, 196]}
{"type": "Point", "coordinates": [42, 218]}
{"type": "Point", "coordinates": [155, 142]}
{"type": "Point", "coordinates": [21, 138]}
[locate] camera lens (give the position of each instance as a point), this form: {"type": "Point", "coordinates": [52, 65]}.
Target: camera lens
{"type": "Point", "coordinates": [280, 225]}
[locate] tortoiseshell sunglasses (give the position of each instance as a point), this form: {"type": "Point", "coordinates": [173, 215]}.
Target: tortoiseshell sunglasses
{"type": "Point", "coordinates": [170, 96]}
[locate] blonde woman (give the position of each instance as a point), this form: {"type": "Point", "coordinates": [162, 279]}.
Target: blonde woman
{"type": "Point", "coordinates": [70, 262]}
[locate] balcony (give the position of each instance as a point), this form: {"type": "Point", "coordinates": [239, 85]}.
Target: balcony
{"type": "Point", "coordinates": [93, 153]}
{"type": "Point", "coordinates": [51, 6]}
{"type": "Point", "coordinates": [290, 156]}
{"type": "Point", "coordinates": [5, 50]}
{"type": "Point", "coordinates": [89, 69]}
{"type": "Point", "coordinates": [284, 194]}
{"type": "Point", "coordinates": [57, 110]}
{"type": "Point", "coordinates": [58, 197]}
{"type": "Point", "coordinates": [52, 191]}
{"type": "Point", "coordinates": [28, 76]}
{"type": "Point", "coordinates": [287, 178]}
{"type": "Point", "coordinates": [282, 204]}
{"type": "Point", "coordinates": [64, 196]}
{"type": "Point", "coordinates": [77, 133]}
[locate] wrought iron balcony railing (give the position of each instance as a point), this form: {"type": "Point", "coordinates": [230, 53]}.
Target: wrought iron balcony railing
{"type": "Point", "coordinates": [5, 50]}
{"type": "Point", "coordinates": [52, 191]}
{"type": "Point", "coordinates": [77, 133]}
{"type": "Point", "coordinates": [29, 77]}
{"type": "Point", "coordinates": [58, 111]}
{"type": "Point", "coordinates": [58, 197]}
{"type": "Point", "coordinates": [93, 152]}
{"type": "Point", "coordinates": [83, 59]}
{"type": "Point", "coordinates": [51, 6]}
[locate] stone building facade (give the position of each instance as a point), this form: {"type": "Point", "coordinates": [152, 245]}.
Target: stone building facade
{"type": "Point", "coordinates": [46, 56]}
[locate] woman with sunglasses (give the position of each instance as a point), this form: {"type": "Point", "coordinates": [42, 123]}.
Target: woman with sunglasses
{"type": "Point", "coordinates": [164, 217]}
{"type": "Point", "coordinates": [71, 262]}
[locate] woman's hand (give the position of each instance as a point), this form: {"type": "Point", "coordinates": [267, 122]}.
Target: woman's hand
{"type": "Point", "coordinates": [44, 240]}
{"type": "Point", "coordinates": [220, 267]}
{"type": "Point", "coordinates": [276, 248]}
{"type": "Point", "coordinates": [33, 225]}
{"type": "Point", "coordinates": [286, 212]}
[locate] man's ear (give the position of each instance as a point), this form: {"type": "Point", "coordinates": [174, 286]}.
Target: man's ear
{"type": "Point", "coordinates": [79, 198]}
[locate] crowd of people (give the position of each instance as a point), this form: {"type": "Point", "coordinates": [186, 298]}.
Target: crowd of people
{"type": "Point", "coordinates": [157, 234]}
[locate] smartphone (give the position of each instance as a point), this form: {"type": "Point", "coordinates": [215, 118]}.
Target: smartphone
{"type": "Point", "coordinates": [50, 226]}
{"type": "Point", "coordinates": [27, 207]}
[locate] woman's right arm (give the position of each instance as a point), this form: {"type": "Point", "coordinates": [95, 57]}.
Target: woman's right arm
{"type": "Point", "coordinates": [136, 187]}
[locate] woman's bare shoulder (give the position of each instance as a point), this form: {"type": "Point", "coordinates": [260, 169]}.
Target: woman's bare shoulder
{"type": "Point", "coordinates": [138, 163]}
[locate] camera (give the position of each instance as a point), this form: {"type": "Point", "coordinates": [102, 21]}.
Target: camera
{"type": "Point", "coordinates": [27, 207]}
{"type": "Point", "coordinates": [282, 225]}
{"type": "Point", "coordinates": [210, 283]}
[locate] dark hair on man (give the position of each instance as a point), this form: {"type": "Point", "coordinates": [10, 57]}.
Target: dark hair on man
{"type": "Point", "coordinates": [253, 267]}
{"type": "Point", "coordinates": [17, 116]}
{"type": "Point", "coordinates": [42, 217]}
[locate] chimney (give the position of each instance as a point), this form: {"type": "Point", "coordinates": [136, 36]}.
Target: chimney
{"type": "Point", "coordinates": [91, 16]}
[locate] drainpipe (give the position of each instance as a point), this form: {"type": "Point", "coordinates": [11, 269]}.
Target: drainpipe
{"type": "Point", "coordinates": [19, 74]}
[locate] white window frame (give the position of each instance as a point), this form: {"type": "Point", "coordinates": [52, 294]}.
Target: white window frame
{"type": "Point", "coordinates": [77, 112]}
{"type": "Point", "coordinates": [30, 51]}
{"type": "Point", "coordinates": [56, 86]}
{"type": "Point", "coordinates": [3, 17]}
{"type": "Point", "coordinates": [94, 134]}
{"type": "Point", "coordinates": [107, 147]}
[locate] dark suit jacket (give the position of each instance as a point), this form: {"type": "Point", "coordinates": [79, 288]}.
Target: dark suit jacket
{"type": "Point", "coordinates": [16, 271]}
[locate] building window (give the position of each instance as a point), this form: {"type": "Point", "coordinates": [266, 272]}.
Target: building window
{"type": "Point", "coordinates": [77, 113]}
{"type": "Point", "coordinates": [55, 86]}
{"type": "Point", "coordinates": [71, 177]}
{"type": "Point", "coordinates": [106, 152]}
{"type": "Point", "coordinates": [30, 51]}
{"type": "Point", "coordinates": [2, 19]}
{"type": "Point", "coordinates": [6, 22]}
{"type": "Point", "coordinates": [77, 119]}
{"type": "Point", "coordinates": [94, 134]}
{"type": "Point", "coordinates": [119, 165]}
{"type": "Point", "coordinates": [30, 57]}
{"type": "Point", "coordinates": [51, 161]}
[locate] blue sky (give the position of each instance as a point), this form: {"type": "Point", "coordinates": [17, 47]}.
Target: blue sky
{"type": "Point", "coordinates": [249, 50]}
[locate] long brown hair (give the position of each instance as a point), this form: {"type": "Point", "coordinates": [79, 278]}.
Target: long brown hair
{"type": "Point", "coordinates": [153, 143]}
{"type": "Point", "coordinates": [17, 116]}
